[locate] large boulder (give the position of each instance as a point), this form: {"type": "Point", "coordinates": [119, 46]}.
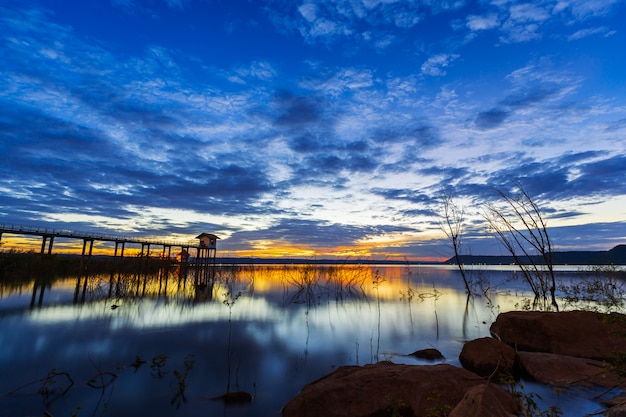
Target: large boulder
{"type": "Point", "coordinates": [565, 371]}
{"type": "Point", "coordinates": [582, 334]}
{"type": "Point", "coordinates": [488, 357]}
{"type": "Point", "coordinates": [386, 389]}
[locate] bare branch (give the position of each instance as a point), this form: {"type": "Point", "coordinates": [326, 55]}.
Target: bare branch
{"type": "Point", "coordinates": [521, 229]}
{"type": "Point", "coordinates": [451, 224]}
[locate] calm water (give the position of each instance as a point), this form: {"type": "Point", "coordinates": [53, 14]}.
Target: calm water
{"type": "Point", "coordinates": [160, 346]}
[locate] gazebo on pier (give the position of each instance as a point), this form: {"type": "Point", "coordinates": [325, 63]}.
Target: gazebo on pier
{"type": "Point", "coordinates": [206, 252]}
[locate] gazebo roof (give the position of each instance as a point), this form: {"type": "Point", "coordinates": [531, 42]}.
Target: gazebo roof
{"type": "Point", "coordinates": [209, 235]}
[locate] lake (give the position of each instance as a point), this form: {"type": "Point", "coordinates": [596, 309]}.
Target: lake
{"type": "Point", "coordinates": [158, 344]}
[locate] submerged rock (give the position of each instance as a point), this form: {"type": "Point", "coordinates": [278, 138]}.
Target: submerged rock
{"type": "Point", "coordinates": [236, 397]}
{"type": "Point", "coordinates": [428, 354]}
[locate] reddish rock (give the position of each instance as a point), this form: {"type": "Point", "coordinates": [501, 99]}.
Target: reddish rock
{"type": "Point", "coordinates": [582, 334]}
{"type": "Point", "coordinates": [618, 400]}
{"type": "Point", "coordinates": [386, 388]}
{"type": "Point", "coordinates": [564, 371]}
{"type": "Point", "coordinates": [428, 354]}
{"type": "Point", "coordinates": [479, 401]}
{"type": "Point", "coordinates": [617, 411]}
{"type": "Point", "coordinates": [489, 357]}
{"type": "Point", "coordinates": [616, 405]}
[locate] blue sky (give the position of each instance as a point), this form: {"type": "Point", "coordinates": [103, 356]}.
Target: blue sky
{"type": "Point", "coordinates": [313, 128]}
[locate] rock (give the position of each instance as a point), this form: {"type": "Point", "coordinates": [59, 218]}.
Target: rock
{"type": "Point", "coordinates": [428, 354]}
{"type": "Point", "coordinates": [564, 371]}
{"type": "Point", "coordinates": [582, 334]}
{"type": "Point", "coordinates": [486, 357]}
{"type": "Point", "coordinates": [615, 401]}
{"type": "Point", "coordinates": [617, 411]}
{"type": "Point", "coordinates": [479, 401]}
{"type": "Point", "coordinates": [616, 405]}
{"type": "Point", "coordinates": [385, 388]}
{"type": "Point", "coordinates": [235, 397]}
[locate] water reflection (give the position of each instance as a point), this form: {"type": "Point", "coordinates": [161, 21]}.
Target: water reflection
{"type": "Point", "coordinates": [175, 340]}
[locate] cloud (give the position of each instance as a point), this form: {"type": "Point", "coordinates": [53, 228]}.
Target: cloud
{"type": "Point", "coordinates": [79, 138]}
{"type": "Point", "coordinates": [403, 194]}
{"type": "Point", "coordinates": [572, 158]}
{"type": "Point", "coordinates": [485, 22]}
{"type": "Point", "coordinates": [533, 87]}
{"type": "Point", "coordinates": [308, 11]}
{"type": "Point", "coordinates": [601, 177]}
{"type": "Point", "coordinates": [310, 234]}
{"type": "Point", "coordinates": [436, 65]}
{"type": "Point", "coordinates": [567, 176]}
{"type": "Point", "coordinates": [297, 111]}
{"type": "Point", "coordinates": [407, 19]}
{"type": "Point", "coordinates": [335, 166]}
{"type": "Point", "coordinates": [307, 143]}
{"type": "Point", "coordinates": [411, 136]}
{"type": "Point", "coordinates": [133, 7]}
{"type": "Point", "coordinates": [585, 33]}
{"type": "Point", "coordinates": [129, 6]}
{"type": "Point", "coordinates": [355, 21]}
{"type": "Point", "coordinates": [525, 22]}
{"type": "Point", "coordinates": [529, 97]}
{"type": "Point", "coordinates": [516, 33]}
{"type": "Point", "coordinates": [584, 9]}
{"type": "Point", "coordinates": [338, 81]}
{"type": "Point", "coordinates": [325, 28]}
{"type": "Point", "coordinates": [257, 70]}
{"type": "Point", "coordinates": [491, 119]}
{"type": "Point", "coordinates": [616, 125]}
{"type": "Point", "coordinates": [522, 22]}
{"type": "Point", "coordinates": [176, 4]}
{"type": "Point", "coordinates": [528, 12]}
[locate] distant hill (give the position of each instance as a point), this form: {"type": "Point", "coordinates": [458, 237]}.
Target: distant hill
{"type": "Point", "coordinates": [615, 256]}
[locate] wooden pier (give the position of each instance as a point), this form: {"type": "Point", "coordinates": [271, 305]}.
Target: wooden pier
{"type": "Point", "coordinates": [206, 247]}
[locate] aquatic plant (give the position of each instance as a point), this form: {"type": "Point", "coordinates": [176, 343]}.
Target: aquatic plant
{"type": "Point", "coordinates": [528, 401]}
{"type": "Point", "coordinates": [600, 288]}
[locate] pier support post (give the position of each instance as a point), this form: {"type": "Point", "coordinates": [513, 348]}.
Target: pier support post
{"type": "Point", "coordinates": [44, 239]}
{"type": "Point", "coordinates": [82, 256]}
{"type": "Point", "coordinates": [145, 250]}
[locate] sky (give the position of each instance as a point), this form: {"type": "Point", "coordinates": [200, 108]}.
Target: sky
{"type": "Point", "coordinates": [313, 128]}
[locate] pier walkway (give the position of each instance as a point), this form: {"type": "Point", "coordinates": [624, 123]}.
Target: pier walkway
{"type": "Point", "coordinates": [48, 235]}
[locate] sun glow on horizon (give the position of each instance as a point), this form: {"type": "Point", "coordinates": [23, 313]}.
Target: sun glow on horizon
{"type": "Point", "coordinates": [373, 248]}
